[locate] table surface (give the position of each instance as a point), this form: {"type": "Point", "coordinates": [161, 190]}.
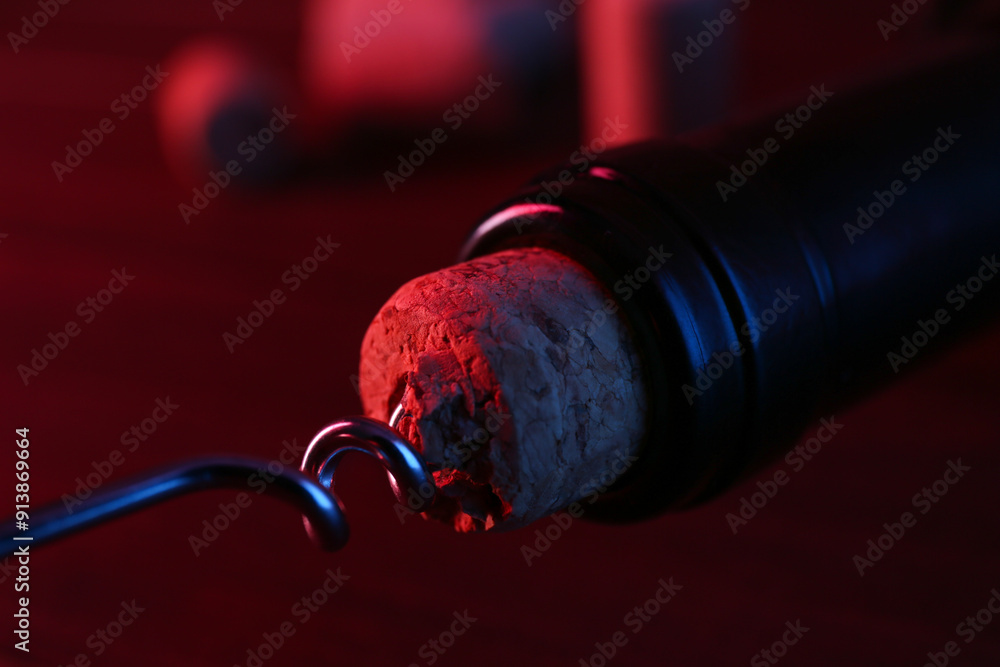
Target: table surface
{"type": "Point", "coordinates": [161, 338]}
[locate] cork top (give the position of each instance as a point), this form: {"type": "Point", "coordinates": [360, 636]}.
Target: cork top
{"type": "Point", "coordinates": [517, 380]}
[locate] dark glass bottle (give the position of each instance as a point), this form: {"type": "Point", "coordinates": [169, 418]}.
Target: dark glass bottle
{"type": "Point", "coordinates": [806, 251]}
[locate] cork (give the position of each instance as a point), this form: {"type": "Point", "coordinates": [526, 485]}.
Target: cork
{"type": "Point", "coordinates": [519, 384]}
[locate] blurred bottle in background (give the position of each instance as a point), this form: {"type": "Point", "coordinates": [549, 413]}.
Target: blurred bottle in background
{"type": "Point", "coordinates": [375, 74]}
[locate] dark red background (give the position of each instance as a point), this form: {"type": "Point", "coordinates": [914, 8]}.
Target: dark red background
{"type": "Point", "coordinates": [162, 337]}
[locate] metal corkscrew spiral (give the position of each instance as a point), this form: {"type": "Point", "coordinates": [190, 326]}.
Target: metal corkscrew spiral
{"type": "Point", "coordinates": [310, 490]}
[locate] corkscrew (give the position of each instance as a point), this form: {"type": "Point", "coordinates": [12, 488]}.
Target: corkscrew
{"type": "Point", "coordinates": [309, 489]}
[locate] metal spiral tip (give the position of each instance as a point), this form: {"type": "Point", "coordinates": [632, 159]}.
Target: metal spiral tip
{"type": "Point", "coordinates": [408, 475]}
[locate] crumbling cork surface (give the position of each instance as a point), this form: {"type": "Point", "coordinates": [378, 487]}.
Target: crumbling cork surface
{"type": "Point", "coordinates": [519, 382]}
